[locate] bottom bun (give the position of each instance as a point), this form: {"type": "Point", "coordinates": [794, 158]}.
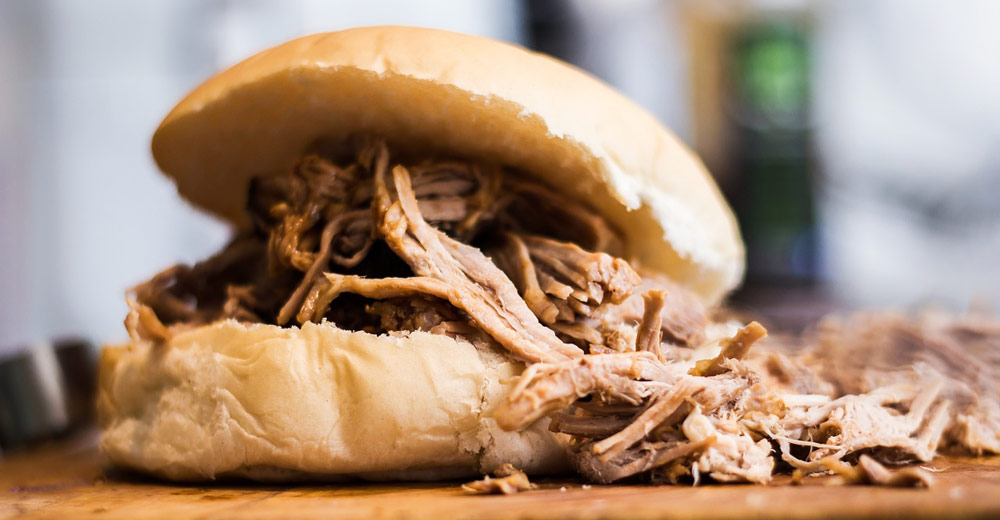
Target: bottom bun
{"type": "Point", "coordinates": [271, 403]}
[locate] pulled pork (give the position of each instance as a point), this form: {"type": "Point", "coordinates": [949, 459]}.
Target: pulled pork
{"type": "Point", "coordinates": [870, 471]}
{"type": "Point", "coordinates": [399, 237]}
{"type": "Point", "coordinates": [508, 480]}
{"type": "Point", "coordinates": [864, 390]}
{"type": "Point", "coordinates": [625, 363]}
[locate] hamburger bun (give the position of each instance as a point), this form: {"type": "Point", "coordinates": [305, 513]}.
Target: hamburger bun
{"type": "Point", "coordinates": [317, 402]}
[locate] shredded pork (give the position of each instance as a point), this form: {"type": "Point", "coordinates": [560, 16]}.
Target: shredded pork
{"type": "Point", "coordinates": [870, 471]}
{"type": "Point", "coordinates": [625, 363]}
{"type": "Point", "coordinates": [508, 480]}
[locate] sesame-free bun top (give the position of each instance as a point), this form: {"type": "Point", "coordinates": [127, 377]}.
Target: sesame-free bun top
{"type": "Point", "coordinates": [439, 92]}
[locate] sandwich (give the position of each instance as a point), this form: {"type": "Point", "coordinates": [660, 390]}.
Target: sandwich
{"type": "Point", "coordinates": [454, 257]}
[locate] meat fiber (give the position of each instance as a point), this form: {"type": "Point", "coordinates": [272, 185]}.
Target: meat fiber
{"type": "Point", "coordinates": [508, 480]}
{"type": "Point", "coordinates": [870, 471]}
{"type": "Point", "coordinates": [593, 300]}
{"type": "Point", "coordinates": [482, 289]}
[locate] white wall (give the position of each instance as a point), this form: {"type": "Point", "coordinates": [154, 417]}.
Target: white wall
{"type": "Point", "coordinates": [908, 113]}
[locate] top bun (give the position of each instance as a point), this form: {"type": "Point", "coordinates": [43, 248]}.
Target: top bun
{"type": "Point", "coordinates": [436, 92]}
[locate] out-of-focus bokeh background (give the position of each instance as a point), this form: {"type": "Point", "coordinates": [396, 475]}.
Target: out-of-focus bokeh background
{"type": "Point", "coordinates": [859, 141]}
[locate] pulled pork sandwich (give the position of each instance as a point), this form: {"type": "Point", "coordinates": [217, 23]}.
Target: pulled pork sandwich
{"type": "Point", "coordinates": [454, 257]}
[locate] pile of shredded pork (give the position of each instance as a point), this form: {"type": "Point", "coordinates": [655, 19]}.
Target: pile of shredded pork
{"type": "Point", "coordinates": [626, 364]}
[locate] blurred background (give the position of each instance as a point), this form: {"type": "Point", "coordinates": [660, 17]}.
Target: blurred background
{"type": "Point", "coordinates": [858, 141]}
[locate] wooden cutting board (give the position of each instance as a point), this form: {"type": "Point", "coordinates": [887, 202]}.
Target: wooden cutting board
{"type": "Point", "coordinates": [68, 480]}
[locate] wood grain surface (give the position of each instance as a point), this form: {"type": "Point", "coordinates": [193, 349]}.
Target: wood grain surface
{"type": "Point", "coordinates": [68, 479]}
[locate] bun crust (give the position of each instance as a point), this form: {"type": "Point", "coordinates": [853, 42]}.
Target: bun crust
{"type": "Point", "coordinates": [435, 91]}
{"type": "Point", "coordinates": [273, 403]}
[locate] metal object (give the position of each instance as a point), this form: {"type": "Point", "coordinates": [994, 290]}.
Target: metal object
{"type": "Point", "coordinates": [46, 390]}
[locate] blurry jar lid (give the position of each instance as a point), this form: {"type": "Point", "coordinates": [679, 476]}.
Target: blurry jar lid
{"type": "Point", "coordinates": [45, 390]}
